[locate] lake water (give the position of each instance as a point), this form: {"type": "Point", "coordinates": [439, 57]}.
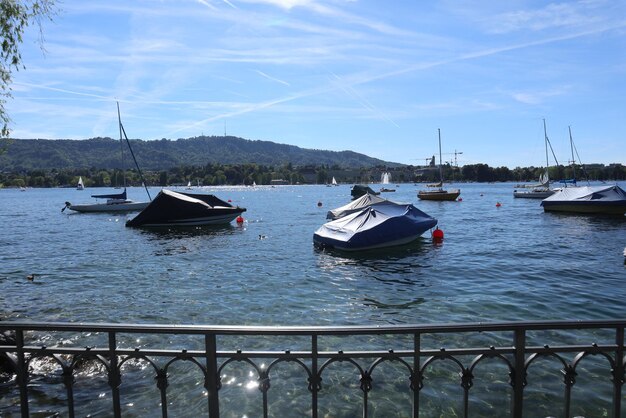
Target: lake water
{"type": "Point", "coordinates": [512, 262]}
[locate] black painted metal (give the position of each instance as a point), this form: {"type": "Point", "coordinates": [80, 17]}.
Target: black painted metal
{"type": "Point", "coordinates": [518, 358]}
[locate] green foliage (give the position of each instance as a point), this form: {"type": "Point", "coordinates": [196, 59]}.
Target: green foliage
{"type": "Point", "coordinates": [27, 154]}
{"type": "Point", "coordinates": [15, 17]}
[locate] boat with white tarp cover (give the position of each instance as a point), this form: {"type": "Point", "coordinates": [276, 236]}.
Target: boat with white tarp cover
{"type": "Point", "coordinates": [609, 200]}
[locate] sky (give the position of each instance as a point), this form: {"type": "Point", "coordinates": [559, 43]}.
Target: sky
{"type": "Point", "coordinates": [375, 77]}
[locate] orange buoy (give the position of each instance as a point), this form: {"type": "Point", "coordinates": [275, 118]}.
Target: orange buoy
{"type": "Point", "coordinates": [319, 204]}
{"type": "Point", "coordinates": [498, 204]}
{"type": "Point", "coordinates": [239, 219]}
{"type": "Point", "coordinates": [437, 234]}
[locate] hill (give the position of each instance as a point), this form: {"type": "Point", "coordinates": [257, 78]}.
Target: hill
{"type": "Point", "coordinates": [29, 154]}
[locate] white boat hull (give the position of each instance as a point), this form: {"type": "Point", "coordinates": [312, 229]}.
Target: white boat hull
{"type": "Point", "coordinates": [109, 207]}
{"type": "Point", "coordinates": [534, 194]}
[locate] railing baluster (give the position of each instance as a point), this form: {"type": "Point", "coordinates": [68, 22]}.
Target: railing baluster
{"type": "Point", "coordinates": [519, 344]}
{"type": "Point", "coordinates": [22, 372]}
{"type": "Point", "coordinates": [68, 380]}
{"type": "Point", "coordinates": [114, 375]}
{"type": "Point", "coordinates": [161, 379]}
{"type": "Point", "coordinates": [210, 343]}
{"type": "Point", "coordinates": [314, 376]}
{"type": "Point", "coordinates": [416, 374]}
{"type": "Point", "coordinates": [618, 373]}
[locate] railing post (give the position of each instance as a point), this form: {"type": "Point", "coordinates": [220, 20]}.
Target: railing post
{"type": "Point", "coordinates": [114, 376]}
{"type": "Point", "coordinates": [314, 375]}
{"type": "Point", "coordinates": [212, 377]}
{"type": "Point", "coordinates": [22, 372]}
{"type": "Point", "coordinates": [618, 373]}
{"type": "Point", "coordinates": [416, 385]}
{"type": "Point", "coordinates": [519, 375]}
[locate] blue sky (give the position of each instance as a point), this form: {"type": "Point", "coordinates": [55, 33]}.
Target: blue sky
{"type": "Point", "coordinates": [375, 77]}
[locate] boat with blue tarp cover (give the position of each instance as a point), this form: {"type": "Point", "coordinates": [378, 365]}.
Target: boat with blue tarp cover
{"type": "Point", "coordinates": [383, 224]}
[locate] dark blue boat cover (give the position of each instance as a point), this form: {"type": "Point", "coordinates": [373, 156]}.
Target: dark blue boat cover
{"type": "Point", "coordinates": [121, 196]}
{"type": "Point", "coordinates": [381, 225]}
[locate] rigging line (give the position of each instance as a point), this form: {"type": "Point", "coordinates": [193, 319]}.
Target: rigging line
{"type": "Point", "coordinates": [135, 159]}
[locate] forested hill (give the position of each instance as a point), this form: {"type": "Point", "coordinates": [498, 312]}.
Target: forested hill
{"type": "Point", "coordinates": [28, 154]}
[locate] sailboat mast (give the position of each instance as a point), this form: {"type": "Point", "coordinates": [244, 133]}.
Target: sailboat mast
{"type": "Point", "coordinates": [119, 122]}
{"type": "Point", "coordinates": [123, 131]}
{"type": "Point", "coordinates": [440, 161]}
{"type": "Point", "coordinates": [571, 144]}
{"type": "Point", "coordinates": [545, 136]}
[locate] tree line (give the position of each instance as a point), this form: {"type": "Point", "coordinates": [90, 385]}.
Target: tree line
{"type": "Point", "coordinates": [250, 173]}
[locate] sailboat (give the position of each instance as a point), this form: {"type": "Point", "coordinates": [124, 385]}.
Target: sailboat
{"type": "Point", "coordinates": [541, 190]}
{"type": "Point", "coordinates": [573, 182]}
{"type": "Point", "coordinates": [440, 193]}
{"type": "Point", "coordinates": [188, 185]}
{"type": "Point", "coordinates": [116, 202]}
{"type": "Point", "coordinates": [80, 185]}
{"type": "Point", "coordinates": [334, 182]}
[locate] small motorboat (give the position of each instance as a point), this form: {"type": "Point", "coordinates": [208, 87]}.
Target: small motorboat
{"type": "Point", "coordinates": [171, 208]}
{"type": "Point", "coordinates": [114, 203]}
{"type": "Point", "coordinates": [608, 200]}
{"type": "Point", "coordinates": [384, 224]}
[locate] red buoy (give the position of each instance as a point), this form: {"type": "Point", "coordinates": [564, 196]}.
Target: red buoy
{"type": "Point", "coordinates": [239, 219]}
{"type": "Point", "coordinates": [460, 199]}
{"type": "Point", "coordinates": [229, 200]}
{"type": "Point", "coordinates": [437, 234]}
{"type": "Point", "coordinates": [498, 204]}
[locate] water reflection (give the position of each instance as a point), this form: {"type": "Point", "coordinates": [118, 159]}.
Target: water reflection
{"type": "Point", "coordinates": [187, 239]}
{"type": "Point", "coordinates": [407, 259]}
{"type": "Point", "coordinates": [183, 232]}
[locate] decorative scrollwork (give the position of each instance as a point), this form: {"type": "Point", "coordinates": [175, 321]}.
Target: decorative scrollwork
{"type": "Point", "coordinates": [315, 382]}
{"type": "Point", "coordinates": [417, 380]}
{"type": "Point", "coordinates": [569, 375]}
{"type": "Point", "coordinates": [366, 381]}
{"type": "Point", "coordinates": [161, 379]}
{"type": "Point", "coordinates": [467, 378]}
{"type": "Point", "coordinates": [264, 381]}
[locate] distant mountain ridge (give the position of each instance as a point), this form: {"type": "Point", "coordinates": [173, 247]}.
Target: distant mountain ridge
{"type": "Point", "coordinates": [29, 154]}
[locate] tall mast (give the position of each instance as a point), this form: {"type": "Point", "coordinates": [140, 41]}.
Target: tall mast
{"type": "Point", "coordinates": [123, 131]}
{"type": "Point", "coordinates": [119, 122]}
{"type": "Point", "coordinates": [545, 136]}
{"type": "Point", "coordinates": [571, 144]}
{"type": "Point", "coordinates": [440, 161]}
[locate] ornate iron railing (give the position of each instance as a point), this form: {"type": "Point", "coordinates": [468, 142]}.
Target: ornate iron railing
{"type": "Point", "coordinates": [516, 346]}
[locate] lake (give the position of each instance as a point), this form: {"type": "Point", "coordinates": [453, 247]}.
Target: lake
{"type": "Point", "coordinates": [507, 263]}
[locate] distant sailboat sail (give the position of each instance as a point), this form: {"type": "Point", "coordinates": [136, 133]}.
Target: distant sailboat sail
{"type": "Point", "coordinates": [80, 185]}
{"type": "Point", "coordinates": [385, 178]}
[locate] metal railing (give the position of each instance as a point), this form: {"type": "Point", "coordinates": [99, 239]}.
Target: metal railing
{"type": "Point", "coordinates": [504, 343]}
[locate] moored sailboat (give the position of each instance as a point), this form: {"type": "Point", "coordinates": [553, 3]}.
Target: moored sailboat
{"type": "Point", "coordinates": [541, 190]}
{"type": "Point", "coordinates": [440, 193]}
{"type": "Point", "coordinates": [116, 202]}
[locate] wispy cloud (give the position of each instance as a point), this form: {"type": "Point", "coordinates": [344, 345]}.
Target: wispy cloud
{"type": "Point", "coordinates": [262, 74]}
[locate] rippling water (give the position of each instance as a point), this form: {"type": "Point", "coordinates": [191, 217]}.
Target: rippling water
{"type": "Point", "coordinates": [513, 262]}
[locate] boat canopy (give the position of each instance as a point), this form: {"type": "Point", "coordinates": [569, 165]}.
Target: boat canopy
{"type": "Point", "coordinates": [597, 194]}
{"type": "Point", "coordinates": [354, 206]}
{"type": "Point", "coordinates": [121, 196]}
{"type": "Point", "coordinates": [171, 207]}
{"type": "Point", "coordinates": [380, 225]}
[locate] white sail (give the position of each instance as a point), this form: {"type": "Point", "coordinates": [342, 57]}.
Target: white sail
{"type": "Point", "coordinates": [80, 185]}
